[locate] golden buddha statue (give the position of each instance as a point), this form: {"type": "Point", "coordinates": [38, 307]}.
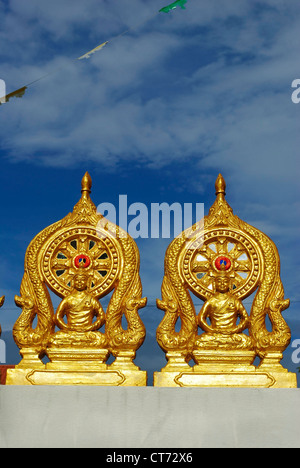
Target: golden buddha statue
{"type": "Point", "coordinates": [223, 260]}
{"type": "Point", "coordinates": [84, 315]}
{"type": "Point", "coordinates": [81, 258]}
{"type": "Point", "coordinates": [223, 310]}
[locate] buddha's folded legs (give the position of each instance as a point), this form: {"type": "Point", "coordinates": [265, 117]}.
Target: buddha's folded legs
{"type": "Point", "coordinates": [73, 338]}
{"type": "Point", "coordinates": [218, 340]}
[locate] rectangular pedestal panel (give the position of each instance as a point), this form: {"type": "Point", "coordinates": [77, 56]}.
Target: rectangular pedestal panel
{"type": "Point", "coordinates": [68, 377]}
{"type": "Point", "coordinates": [230, 379]}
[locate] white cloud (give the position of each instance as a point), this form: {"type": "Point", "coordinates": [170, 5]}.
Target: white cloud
{"type": "Point", "coordinates": [111, 108]}
{"type": "Point", "coordinates": [231, 113]}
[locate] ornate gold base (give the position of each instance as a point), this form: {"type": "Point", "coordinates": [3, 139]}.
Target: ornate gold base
{"type": "Point", "coordinates": [85, 366]}
{"type": "Point", "coordinates": [227, 369]}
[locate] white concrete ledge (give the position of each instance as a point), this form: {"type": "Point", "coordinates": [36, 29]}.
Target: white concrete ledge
{"type": "Point", "coordinates": [115, 417]}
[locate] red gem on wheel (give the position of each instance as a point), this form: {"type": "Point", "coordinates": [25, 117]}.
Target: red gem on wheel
{"type": "Point", "coordinates": [223, 263]}
{"type": "Point", "coordinates": [82, 261]}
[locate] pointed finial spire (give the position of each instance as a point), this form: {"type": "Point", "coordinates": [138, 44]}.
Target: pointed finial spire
{"type": "Point", "coordinates": [220, 185]}
{"type": "Point", "coordinates": [86, 183]}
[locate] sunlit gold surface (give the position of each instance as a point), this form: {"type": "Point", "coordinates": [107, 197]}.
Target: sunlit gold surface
{"type": "Point", "coordinates": [81, 258]}
{"type": "Point", "coordinates": [229, 340]}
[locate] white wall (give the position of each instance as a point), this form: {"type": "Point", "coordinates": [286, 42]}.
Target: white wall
{"type": "Point", "coordinates": [115, 417]}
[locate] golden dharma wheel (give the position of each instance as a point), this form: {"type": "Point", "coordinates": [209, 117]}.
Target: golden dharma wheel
{"type": "Point", "coordinates": [221, 249]}
{"type": "Point", "coordinates": [81, 250]}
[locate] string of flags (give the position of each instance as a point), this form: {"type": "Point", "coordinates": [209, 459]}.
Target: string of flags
{"type": "Point", "coordinates": [19, 93]}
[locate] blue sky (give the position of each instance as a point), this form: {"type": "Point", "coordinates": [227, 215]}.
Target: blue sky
{"type": "Point", "coordinates": [155, 115]}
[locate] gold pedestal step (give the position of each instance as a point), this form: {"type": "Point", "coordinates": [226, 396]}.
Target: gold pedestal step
{"type": "Point", "coordinates": [225, 369]}
{"type": "Point", "coordinates": [69, 366]}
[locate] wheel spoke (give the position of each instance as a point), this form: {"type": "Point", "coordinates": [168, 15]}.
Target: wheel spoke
{"type": "Point", "coordinates": [97, 251]}
{"type": "Point", "coordinates": [68, 250]}
{"type": "Point", "coordinates": [222, 246]}
{"type": "Point", "coordinates": [207, 252]}
{"type": "Point", "coordinates": [238, 280]}
{"type": "Point", "coordinates": [60, 264]}
{"type": "Point", "coordinates": [243, 265]}
{"type": "Point", "coordinates": [207, 280]}
{"type": "Point", "coordinates": [83, 244]}
{"type": "Point", "coordinates": [65, 277]}
{"type": "Point", "coordinates": [237, 251]}
{"type": "Point", "coordinates": [99, 275]}
{"type": "Point", "coordinates": [200, 267]}
{"type": "Point", "coordinates": [103, 264]}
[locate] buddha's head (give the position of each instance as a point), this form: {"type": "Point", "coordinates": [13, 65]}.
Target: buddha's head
{"type": "Point", "coordinates": [222, 281]}
{"type": "Point", "coordinates": [80, 282]}
{"type": "Point", "coordinates": [222, 284]}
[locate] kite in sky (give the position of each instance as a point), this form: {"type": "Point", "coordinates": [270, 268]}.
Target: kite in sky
{"type": "Point", "coordinates": [178, 3]}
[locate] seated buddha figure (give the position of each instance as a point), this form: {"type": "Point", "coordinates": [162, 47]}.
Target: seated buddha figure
{"type": "Point", "coordinates": [227, 319]}
{"type": "Point", "coordinates": [84, 316]}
